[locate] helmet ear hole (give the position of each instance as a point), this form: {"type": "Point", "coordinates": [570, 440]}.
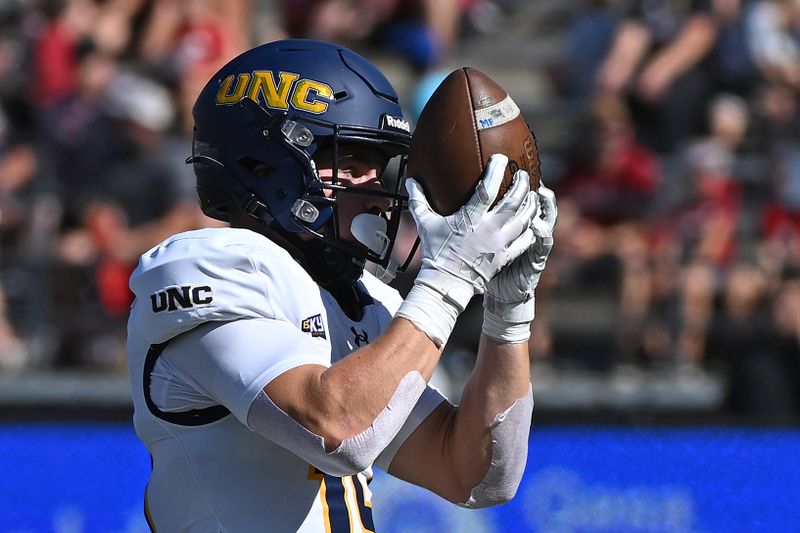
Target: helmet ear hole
{"type": "Point", "coordinates": [257, 168]}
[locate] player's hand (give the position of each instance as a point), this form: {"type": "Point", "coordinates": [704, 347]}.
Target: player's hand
{"type": "Point", "coordinates": [509, 305]}
{"type": "Point", "coordinates": [463, 251]}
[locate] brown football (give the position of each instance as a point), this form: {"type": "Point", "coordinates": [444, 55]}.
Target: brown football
{"type": "Point", "coordinates": [468, 118]}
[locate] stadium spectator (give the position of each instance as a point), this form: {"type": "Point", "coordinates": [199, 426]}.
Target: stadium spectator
{"type": "Point", "coordinates": [587, 42]}
{"type": "Point", "coordinates": [424, 32]}
{"type": "Point", "coordinates": [759, 342]}
{"type": "Point", "coordinates": [699, 240]}
{"type": "Point", "coordinates": [185, 42]}
{"type": "Point", "coordinates": [18, 168]}
{"type": "Point", "coordinates": [55, 60]}
{"type": "Point", "coordinates": [773, 27]}
{"type": "Point", "coordinates": [121, 192]}
{"type": "Point", "coordinates": [610, 186]}
{"type": "Point", "coordinates": [733, 69]}
{"type": "Point", "coordinates": [658, 60]}
{"type": "Point", "coordinates": [59, 60]}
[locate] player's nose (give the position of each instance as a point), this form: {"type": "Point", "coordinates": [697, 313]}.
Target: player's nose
{"type": "Point", "coordinates": [375, 203]}
{"type": "Point", "coordinates": [369, 181]}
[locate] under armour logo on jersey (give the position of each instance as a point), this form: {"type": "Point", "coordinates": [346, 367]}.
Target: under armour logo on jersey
{"type": "Point", "coordinates": [314, 325]}
{"type": "Point", "coordinates": [359, 338]}
{"type": "Point", "coordinates": [181, 297]}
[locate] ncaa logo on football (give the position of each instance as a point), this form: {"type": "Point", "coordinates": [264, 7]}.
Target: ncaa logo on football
{"type": "Point", "coordinates": [313, 325]}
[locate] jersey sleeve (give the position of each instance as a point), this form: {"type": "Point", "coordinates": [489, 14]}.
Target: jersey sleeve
{"type": "Point", "coordinates": [230, 362]}
{"type": "Point", "coordinates": [218, 274]}
{"type": "Point", "coordinates": [235, 309]}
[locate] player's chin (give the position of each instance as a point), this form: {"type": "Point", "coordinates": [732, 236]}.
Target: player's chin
{"type": "Point", "coordinates": [345, 238]}
{"type": "Point", "coordinates": [353, 243]}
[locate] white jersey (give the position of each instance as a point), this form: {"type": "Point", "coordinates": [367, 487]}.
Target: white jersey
{"type": "Point", "coordinates": [218, 314]}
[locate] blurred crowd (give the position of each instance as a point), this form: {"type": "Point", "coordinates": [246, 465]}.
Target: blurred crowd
{"type": "Point", "coordinates": [683, 187]}
{"type": "Point", "coordinates": [95, 125]}
{"type": "Point", "coordinates": [679, 191]}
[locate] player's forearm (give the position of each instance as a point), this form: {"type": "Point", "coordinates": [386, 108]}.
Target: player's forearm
{"type": "Point", "coordinates": [502, 374]}
{"type": "Point", "coordinates": [500, 380]}
{"type": "Point", "coordinates": [340, 418]}
{"type": "Point", "coordinates": [488, 442]}
{"type": "Point", "coordinates": [345, 399]}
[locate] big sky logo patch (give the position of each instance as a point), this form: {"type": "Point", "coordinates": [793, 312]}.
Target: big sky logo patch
{"type": "Point", "coordinates": [314, 325]}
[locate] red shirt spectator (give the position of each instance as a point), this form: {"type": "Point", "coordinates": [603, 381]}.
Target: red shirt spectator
{"type": "Point", "coordinates": [55, 64]}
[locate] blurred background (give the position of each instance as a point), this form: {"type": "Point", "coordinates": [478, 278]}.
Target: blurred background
{"type": "Point", "coordinates": [666, 348]}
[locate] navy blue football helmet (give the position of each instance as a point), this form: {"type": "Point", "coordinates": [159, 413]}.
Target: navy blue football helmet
{"type": "Point", "coordinates": [262, 117]}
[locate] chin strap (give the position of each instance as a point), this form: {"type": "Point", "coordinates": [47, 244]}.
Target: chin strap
{"type": "Point", "coordinates": [389, 272]}
{"type": "Point", "coordinates": [255, 208]}
{"type": "Point", "coordinates": [329, 265]}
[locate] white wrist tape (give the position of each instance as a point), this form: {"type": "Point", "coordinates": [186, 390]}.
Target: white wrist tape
{"type": "Point", "coordinates": [510, 430]}
{"type": "Point", "coordinates": [452, 289]}
{"type": "Point", "coordinates": [508, 322]}
{"type": "Point", "coordinates": [431, 312]}
{"type": "Point", "coordinates": [353, 455]}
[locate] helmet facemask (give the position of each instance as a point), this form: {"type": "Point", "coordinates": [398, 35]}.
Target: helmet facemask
{"type": "Point", "coordinates": [316, 211]}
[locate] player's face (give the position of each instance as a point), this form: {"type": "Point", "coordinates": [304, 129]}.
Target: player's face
{"type": "Point", "coordinates": [357, 166]}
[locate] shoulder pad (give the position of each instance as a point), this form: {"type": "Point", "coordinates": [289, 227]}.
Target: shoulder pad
{"type": "Point", "coordinates": [211, 274]}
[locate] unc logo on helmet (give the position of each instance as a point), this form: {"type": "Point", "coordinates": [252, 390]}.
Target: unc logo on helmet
{"type": "Point", "coordinates": [261, 86]}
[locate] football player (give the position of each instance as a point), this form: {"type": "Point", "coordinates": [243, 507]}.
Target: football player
{"type": "Point", "coordinates": [269, 370]}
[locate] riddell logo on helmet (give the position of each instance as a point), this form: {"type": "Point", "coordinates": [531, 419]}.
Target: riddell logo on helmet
{"type": "Point", "coordinates": [261, 85]}
{"type": "Point", "coordinates": [395, 123]}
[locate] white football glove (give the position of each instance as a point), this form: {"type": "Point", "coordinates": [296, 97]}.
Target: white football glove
{"type": "Point", "coordinates": [461, 252]}
{"type": "Point", "coordinates": [509, 304]}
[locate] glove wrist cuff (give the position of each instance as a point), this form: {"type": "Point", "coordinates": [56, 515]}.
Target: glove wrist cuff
{"type": "Point", "coordinates": [512, 312]}
{"type": "Point", "coordinates": [505, 332]}
{"type": "Point", "coordinates": [508, 322]}
{"type": "Point", "coordinates": [430, 311]}
{"type": "Point", "coordinates": [451, 289]}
